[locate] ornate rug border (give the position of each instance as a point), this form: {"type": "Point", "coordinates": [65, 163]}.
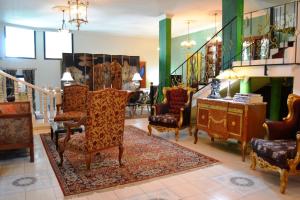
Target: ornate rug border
{"type": "Point", "coordinates": [62, 184]}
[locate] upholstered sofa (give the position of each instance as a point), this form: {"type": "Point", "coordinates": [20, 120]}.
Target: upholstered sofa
{"type": "Point", "coordinates": [175, 111]}
{"type": "Point", "coordinates": [280, 151]}
{"type": "Point", "coordinates": [16, 126]}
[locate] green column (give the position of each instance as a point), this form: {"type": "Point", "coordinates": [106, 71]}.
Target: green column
{"type": "Point", "coordinates": [276, 84]}
{"type": "Point", "coordinates": [245, 86]}
{"type": "Point", "coordinates": [233, 33]}
{"type": "Point", "coordinates": [164, 53]}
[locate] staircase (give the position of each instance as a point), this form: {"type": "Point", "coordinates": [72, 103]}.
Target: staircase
{"type": "Point", "coordinates": [45, 98]}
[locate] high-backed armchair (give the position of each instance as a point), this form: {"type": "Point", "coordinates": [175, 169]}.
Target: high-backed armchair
{"type": "Point", "coordinates": [16, 126]}
{"type": "Point", "coordinates": [104, 125]}
{"type": "Point", "coordinates": [281, 150]}
{"type": "Point", "coordinates": [73, 103]}
{"type": "Point", "coordinates": [175, 111]}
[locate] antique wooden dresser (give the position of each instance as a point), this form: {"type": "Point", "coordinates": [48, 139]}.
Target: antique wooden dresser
{"type": "Point", "coordinates": [224, 119]}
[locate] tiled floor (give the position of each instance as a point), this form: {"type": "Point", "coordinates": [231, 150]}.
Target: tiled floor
{"type": "Point", "coordinates": [230, 180]}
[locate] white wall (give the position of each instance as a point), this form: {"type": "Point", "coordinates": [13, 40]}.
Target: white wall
{"type": "Point", "coordinates": [48, 71]}
{"type": "Point", "coordinates": [146, 48]}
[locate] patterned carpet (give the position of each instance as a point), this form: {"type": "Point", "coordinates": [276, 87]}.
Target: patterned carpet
{"type": "Point", "coordinates": [144, 157]}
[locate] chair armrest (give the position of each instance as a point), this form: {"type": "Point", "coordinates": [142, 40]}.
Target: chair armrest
{"type": "Point", "coordinates": [72, 124]}
{"type": "Point", "coordinates": [161, 108]}
{"type": "Point", "coordinates": [293, 163]}
{"type": "Point", "coordinates": [278, 130]}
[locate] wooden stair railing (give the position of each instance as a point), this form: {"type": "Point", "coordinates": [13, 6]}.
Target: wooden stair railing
{"type": "Point", "coordinates": [45, 97]}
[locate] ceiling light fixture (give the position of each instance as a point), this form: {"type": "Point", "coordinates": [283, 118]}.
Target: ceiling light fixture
{"type": "Point", "coordinates": [217, 38]}
{"type": "Point", "coordinates": [78, 12]}
{"type": "Point", "coordinates": [188, 43]}
{"type": "Point", "coordinates": [63, 9]}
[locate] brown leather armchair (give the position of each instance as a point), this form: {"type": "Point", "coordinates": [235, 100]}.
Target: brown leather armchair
{"type": "Point", "coordinates": [280, 151]}
{"type": "Point", "coordinates": [73, 104]}
{"type": "Point", "coordinates": [104, 125]}
{"type": "Point", "coordinates": [175, 111]}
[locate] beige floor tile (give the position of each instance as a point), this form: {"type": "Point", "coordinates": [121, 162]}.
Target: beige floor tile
{"type": "Point", "coordinates": [152, 186]}
{"type": "Point", "coordinates": [43, 194]}
{"type": "Point", "coordinates": [163, 194]}
{"type": "Point", "coordinates": [225, 194]}
{"type": "Point", "coordinates": [103, 195]}
{"type": "Point", "coordinates": [184, 191]}
{"type": "Point", "coordinates": [196, 184]}
{"type": "Point", "coordinates": [202, 196]}
{"type": "Point", "coordinates": [128, 192]}
{"type": "Point", "coordinates": [14, 196]}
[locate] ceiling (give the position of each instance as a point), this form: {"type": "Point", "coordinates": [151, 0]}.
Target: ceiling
{"type": "Point", "coordinates": [123, 17]}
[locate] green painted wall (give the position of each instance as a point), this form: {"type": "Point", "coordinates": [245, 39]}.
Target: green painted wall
{"type": "Point", "coordinates": [245, 86]}
{"type": "Point", "coordinates": [164, 54]}
{"type": "Point", "coordinates": [258, 26]}
{"type": "Point", "coordinates": [179, 53]}
{"type": "Point", "coordinates": [232, 34]}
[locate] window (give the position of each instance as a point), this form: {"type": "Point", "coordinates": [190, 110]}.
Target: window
{"type": "Point", "coordinates": [19, 42]}
{"type": "Point", "coordinates": [57, 43]}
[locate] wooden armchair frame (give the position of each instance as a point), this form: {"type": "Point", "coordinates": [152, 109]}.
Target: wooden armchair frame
{"type": "Point", "coordinates": [182, 113]}
{"type": "Point", "coordinates": [282, 130]}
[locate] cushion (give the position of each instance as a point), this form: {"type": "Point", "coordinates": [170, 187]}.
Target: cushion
{"type": "Point", "coordinates": [176, 98]}
{"type": "Point", "coordinates": [69, 116]}
{"type": "Point", "coordinates": [77, 142]}
{"type": "Point", "coordinates": [276, 152]}
{"type": "Point", "coordinates": [167, 120]}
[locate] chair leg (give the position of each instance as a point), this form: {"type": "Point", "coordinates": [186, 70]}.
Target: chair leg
{"type": "Point", "coordinates": [88, 160]}
{"type": "Point", "coordinates": [121, 149]}
{"type": "Point", "coordinates": [196, 136]}
{"type": "Point", "coordinates": [61, 156]}
{"type": "Point", "coordinates": [190, 130]}
{"type": "Point", "coordinates": [31, 151]}
{"type": "Point", "coordinates": [176, 134]}
{"type": "Point", "coordinates": [283, 180]}
{"type": "Point", "coordinates": [253, 160]}
{"type": "Point", "coordinates": [150, 130]}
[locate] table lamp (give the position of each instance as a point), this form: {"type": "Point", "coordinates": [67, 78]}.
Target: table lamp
{"type": "Point", "coordinates": [67, 77]}
{"type": "Point", "coordinates": [228, 74]}
{"type": "Point", "coordinates": [136, 79]}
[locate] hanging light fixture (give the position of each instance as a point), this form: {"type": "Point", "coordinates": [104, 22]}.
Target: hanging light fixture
{"type": "Point", "coordinates": [217, 38]}
{"type": "Point", "coordinates": [188, 43]}
{"type": "Point", "coordinates": [62, 9]}
{"type": "Point", "coordinates": [78, 12]}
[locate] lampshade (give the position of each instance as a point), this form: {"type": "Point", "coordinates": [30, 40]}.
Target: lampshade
{"type": "Point", "coordinates": [137, 77]}
{"type": "Point", "coordinates": [228, 74]}
{"type": "Point", "coordinates": [67, 77]}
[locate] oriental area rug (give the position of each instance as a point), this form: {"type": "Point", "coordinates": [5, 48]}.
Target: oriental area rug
{"type": "Point", "coordinates": [144, 157]}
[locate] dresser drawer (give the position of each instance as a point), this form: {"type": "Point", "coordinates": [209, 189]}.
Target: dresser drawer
{"type": "Point", "coordinates": [202, 118]}
{"type": "Point", "coordinates": [234, 124]}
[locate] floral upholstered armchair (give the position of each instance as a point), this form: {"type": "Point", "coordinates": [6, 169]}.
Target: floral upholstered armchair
{"type": "Point", "coordinates": [104, 125]}
{"type": "Point", "coordinates": [16, 126]}
{"type": "Point", "coordinates": [281, 151]}
{"type": "Point", "coordinates": [175, 111]}
{"type": "Point", "coordinates": [73, 105]}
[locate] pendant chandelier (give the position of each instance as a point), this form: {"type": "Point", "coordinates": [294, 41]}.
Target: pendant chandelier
{"type": "Point", "coordinates": [217, 38]}
{"type": "Point", "coordinates": [188, 43]}
{"type": "Point", "coordinates": [78, 12]}
{"type": "Point", "coordinates": [63, 27]}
